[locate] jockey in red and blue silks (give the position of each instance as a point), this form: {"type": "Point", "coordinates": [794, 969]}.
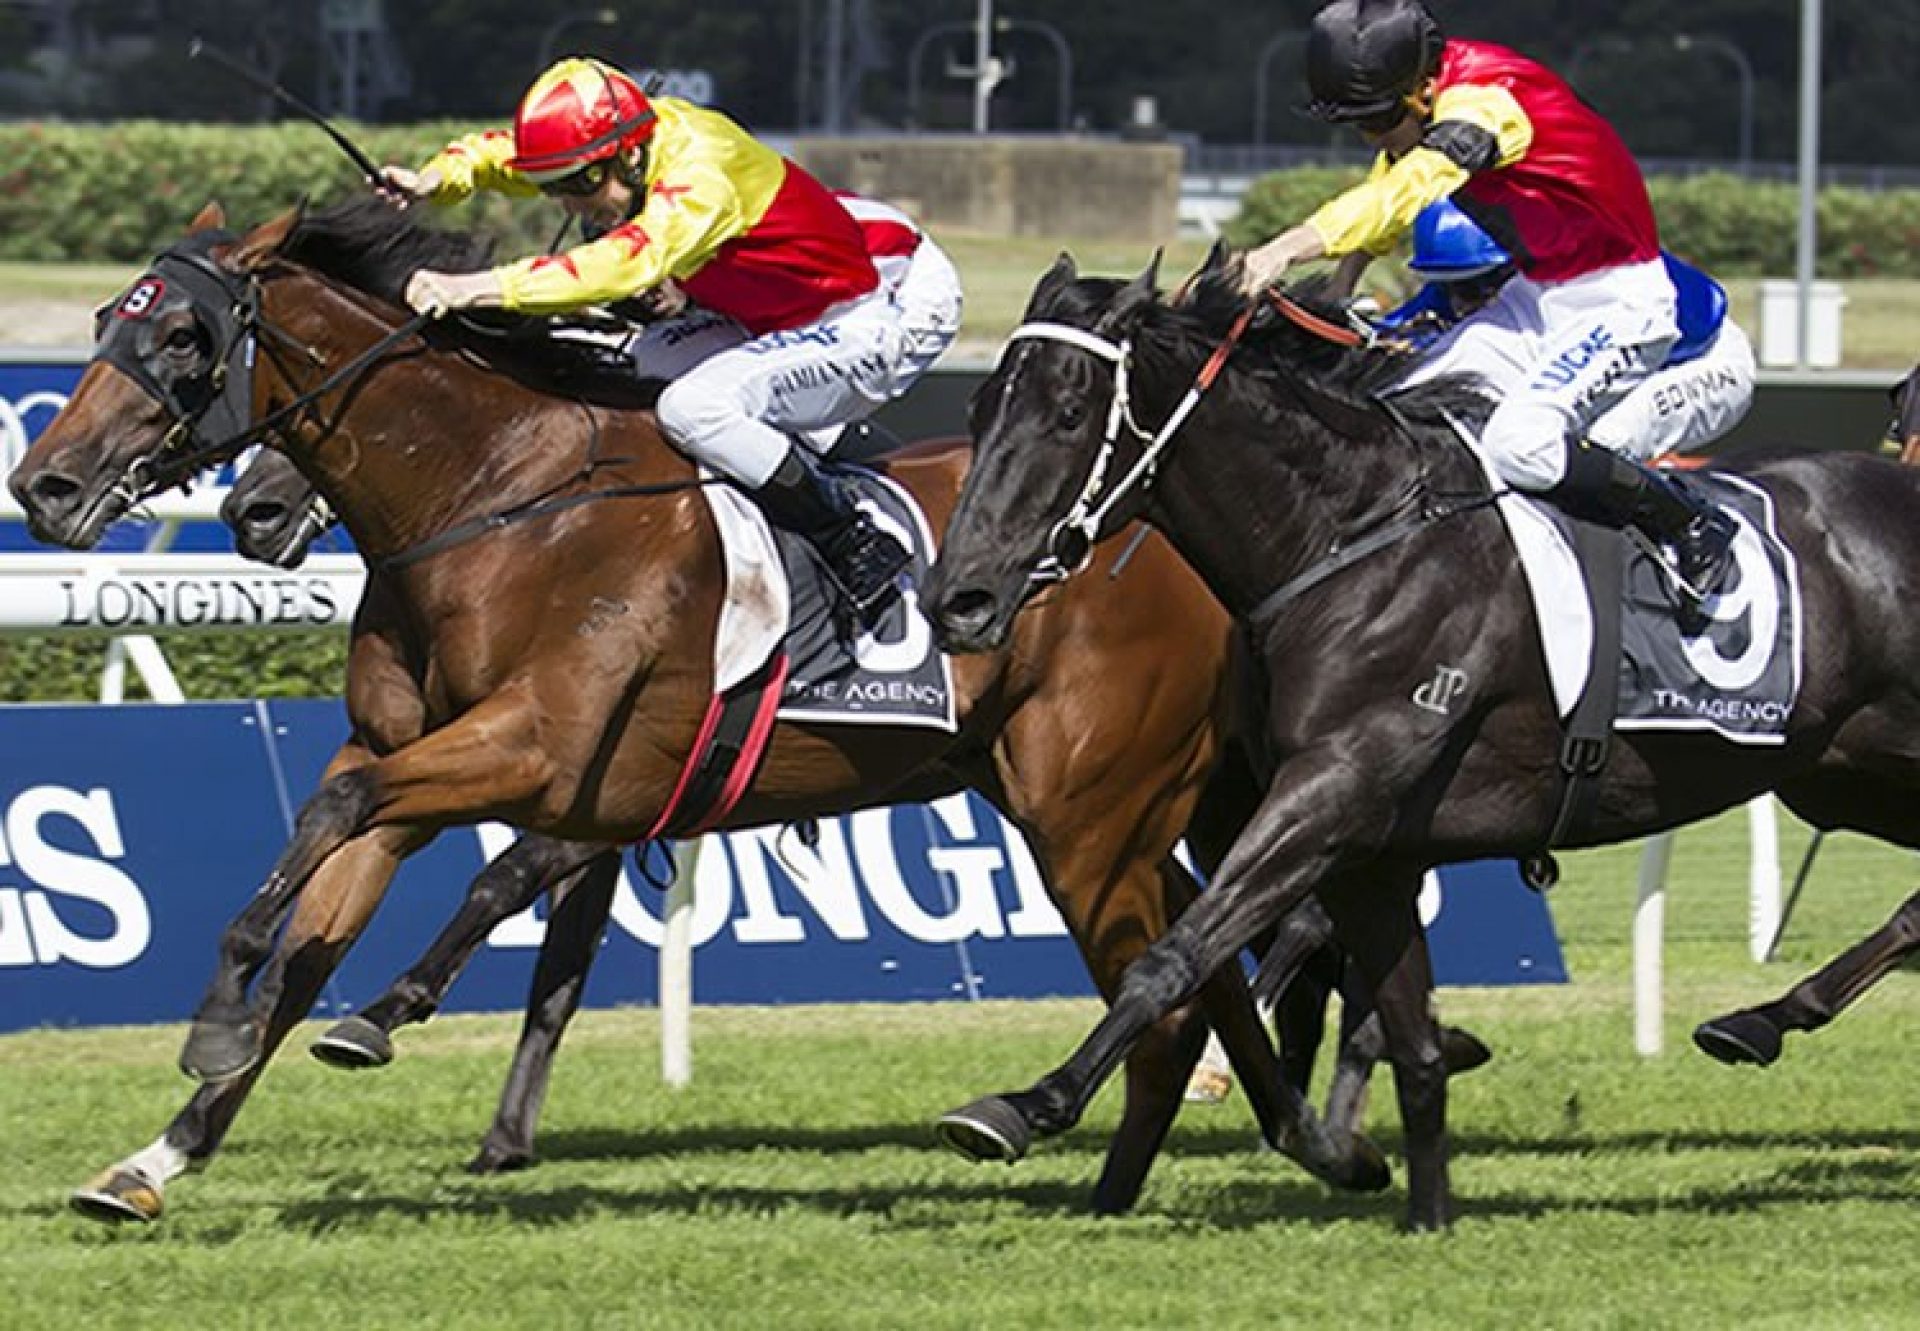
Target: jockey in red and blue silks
{"type": "Point", "coordinates": [680, 204]}
{"type": "Point", "coordinates": [1590, 314]}
{"type": "Point", "coordinates": [1702, 391]}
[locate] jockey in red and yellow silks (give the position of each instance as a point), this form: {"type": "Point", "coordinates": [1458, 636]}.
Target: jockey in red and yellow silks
{"type": "Point", "coordinates": [1591, 314]}
{"type": "Point", "coordinates": [679, 203]}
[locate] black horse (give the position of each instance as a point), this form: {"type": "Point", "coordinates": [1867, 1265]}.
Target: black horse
{"type": "Point", "coordinates": [1269, 483]}
{"type": "Point", "coordinates": [1754, 1035]}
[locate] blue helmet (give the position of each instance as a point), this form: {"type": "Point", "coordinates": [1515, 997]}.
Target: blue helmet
{"type": "Point", "coordinates": [1449, 246]}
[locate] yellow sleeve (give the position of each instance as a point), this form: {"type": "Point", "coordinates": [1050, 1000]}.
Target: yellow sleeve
{"type": "Point", "coordinates": [477, 161]}
{"type": "Point", "coordinates": [1474, 128]}
{"type": "Point", "coordinates": [686, 218]}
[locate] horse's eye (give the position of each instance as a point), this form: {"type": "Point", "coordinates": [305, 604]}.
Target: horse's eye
{"type": "Point", "coordinates": [1071, 414]}
{"type": "Point", "coordinates": [183, 338]}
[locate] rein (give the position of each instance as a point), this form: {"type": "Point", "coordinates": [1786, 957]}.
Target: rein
{"type": "Point", "coordinates": [1083, 521]}
{"type": "Point", "coordinates": [1432, 509]}
{"type": "Point", "coordinates": [1070, 543]}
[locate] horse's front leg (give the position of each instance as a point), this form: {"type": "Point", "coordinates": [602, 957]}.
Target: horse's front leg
{"type": "Point", "coordinates": [574, 929]}
{"type": "Point", "coordinates": [332, 911]}
{"type": "Point", "coordinates": [1304, 827]}
{"type": "Point", "coordinates": [1754, 1035]}
{"type": "Point", "coordinates": [486, 764]}
{"type": "Point", "coordinates": [512, 882]}
{"type": "Point", "coordinates": [1379, 927]}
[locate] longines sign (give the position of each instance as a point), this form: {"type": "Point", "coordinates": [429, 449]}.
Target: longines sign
{"type": "Point", "coordinates": [129, 836]}
{"type": "Point", "coordinates": [139, 593]}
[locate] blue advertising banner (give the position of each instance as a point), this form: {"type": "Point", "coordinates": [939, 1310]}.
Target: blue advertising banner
{"type": "Point", "coordinates": [129, 836]}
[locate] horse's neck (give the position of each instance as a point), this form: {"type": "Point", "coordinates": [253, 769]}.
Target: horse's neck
{"type": "Point", "coordinates": [1258, 504]}
{"type": "Point", "coordinates": [428, 441]}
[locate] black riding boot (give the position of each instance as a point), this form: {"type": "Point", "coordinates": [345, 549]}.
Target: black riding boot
{"type": "Point", "coordinates": [1604, 487]}
{"type": "Point", "coordinates": [864, 560]}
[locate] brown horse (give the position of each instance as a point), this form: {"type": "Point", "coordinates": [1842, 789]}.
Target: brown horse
{"type": "Point", "coordinates": [543, 661]}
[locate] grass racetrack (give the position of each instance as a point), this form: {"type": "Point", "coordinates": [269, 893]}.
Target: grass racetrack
{"type": "Point", "coordinates": [795, 1184]}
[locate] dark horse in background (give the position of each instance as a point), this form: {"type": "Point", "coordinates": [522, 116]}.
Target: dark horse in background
{"type": "Point", "coordinates": [1291, 457]}
{"type": "Point", "coordinates": [1755, 1034]}
{"type": "Point", "coordinates": [552, 672]}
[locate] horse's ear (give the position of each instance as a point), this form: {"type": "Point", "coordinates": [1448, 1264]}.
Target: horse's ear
{"type": "Point", "coordinates": [1208, 271]}
{"type": "Point", "coordinates": [1056, 279]}
{"type": "Point", "coordinates": [264, 241]}
{"type": "Point", "coordinates": [1132, 298]}
{"type": "Point", "coordinates": [210, 218]}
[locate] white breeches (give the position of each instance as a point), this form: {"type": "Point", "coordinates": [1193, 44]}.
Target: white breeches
{"type": "Point", "coordinates": [1682, 408]}
{"type": "Point", "coordinates": [736, 402]}
{"type": "Point", "coordinates": [1557, 358]}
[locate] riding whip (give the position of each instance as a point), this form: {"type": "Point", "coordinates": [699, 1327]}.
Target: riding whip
{"type": "Point", "coordinates": [197, 49]}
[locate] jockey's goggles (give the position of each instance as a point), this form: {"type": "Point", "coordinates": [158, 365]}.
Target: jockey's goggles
{"type": "Point", "coordinates": [579, 184]}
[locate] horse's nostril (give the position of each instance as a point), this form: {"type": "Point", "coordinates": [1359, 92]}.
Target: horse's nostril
{"type": "Point", "coordinates": [968, 608]}
{"type": "Point", "coordinates": [264, 517]}
{"type": "Point", "coordinates": [49, 491]}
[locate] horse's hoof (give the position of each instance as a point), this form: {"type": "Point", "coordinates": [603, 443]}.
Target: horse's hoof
{"type": "Point", "coordinates": [1462, 1051]}
{"type": "Point", "coordinates": [1739, 1037]}
{"type": "Point", "coordinates": [353, 1043]}
{"type": "Point", "coordinates": [216, 1052]}
{"type": "Point", "coordinates": [118, 1195]}
{"type": "Point", "coordinates": [1367, 1168]}
{"type": "Point", "coordinates": [988, 1129]}
{"type": "Point", "coordinates": [500, 1160]}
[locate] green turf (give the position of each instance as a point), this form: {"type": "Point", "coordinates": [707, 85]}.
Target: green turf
{"type": "Point", "coordinates": [795, 1184]}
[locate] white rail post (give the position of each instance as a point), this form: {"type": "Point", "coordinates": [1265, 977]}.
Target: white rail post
{"type": "Point", "coordinates": [1763, 877]}
{"type": "Point", "coordinates": [1649, 923]}
{"type": "Point", "coordinates": [676, 969]}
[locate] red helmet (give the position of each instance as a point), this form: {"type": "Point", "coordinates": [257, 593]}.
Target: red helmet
{"type": "Point", "coordinates": [577, 113]}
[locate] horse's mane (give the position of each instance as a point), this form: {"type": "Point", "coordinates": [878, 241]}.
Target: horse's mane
{"type": "Point", "coordinates": [373, 247]}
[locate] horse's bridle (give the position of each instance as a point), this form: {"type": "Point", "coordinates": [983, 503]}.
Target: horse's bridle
{"type": "Point", "coordinates": [1082, 522]}
{"type": "Point", "coordinates": [219, 400]}
{"type": "Point", "coordinates": [1062, 558]}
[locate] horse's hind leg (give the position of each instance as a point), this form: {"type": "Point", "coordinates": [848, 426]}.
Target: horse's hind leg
{"type": "Point", "coordinates": [574, 928]}
{"type": "Point", "coordinates": [511, 883]}
{"type": "Point", "coordinates": [331, 914]}
{"type": "Point", "coordinates": [1754, 1035]}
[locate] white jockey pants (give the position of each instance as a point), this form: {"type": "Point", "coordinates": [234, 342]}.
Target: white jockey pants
{"type": "Point", "coordinates": [737, 402]}
{"type": "Point", "coordinates": [1557, 357]}
{"type": "Point", "coordinates": [1682, 408]}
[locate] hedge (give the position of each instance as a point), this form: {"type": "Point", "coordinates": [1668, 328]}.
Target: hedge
{"type": "Point", "coordinates": [66, 667]}
{"type": "Point", "coordinates": [1729, 226]}
{"type": "Point", "coordinates": [121, 192]}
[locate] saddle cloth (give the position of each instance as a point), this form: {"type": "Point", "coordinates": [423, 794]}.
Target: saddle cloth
{"type": "Point", "coordinates": [779, 600]}
{"type": "Point", "coordinates": [1736, 673]}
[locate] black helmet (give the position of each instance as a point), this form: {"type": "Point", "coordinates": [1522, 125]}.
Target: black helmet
{"type": "Point", "coordinates": [1365, 57]}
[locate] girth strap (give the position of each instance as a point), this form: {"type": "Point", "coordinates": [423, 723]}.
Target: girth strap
{"type": "Point", "coordinates": [1589, 729]}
